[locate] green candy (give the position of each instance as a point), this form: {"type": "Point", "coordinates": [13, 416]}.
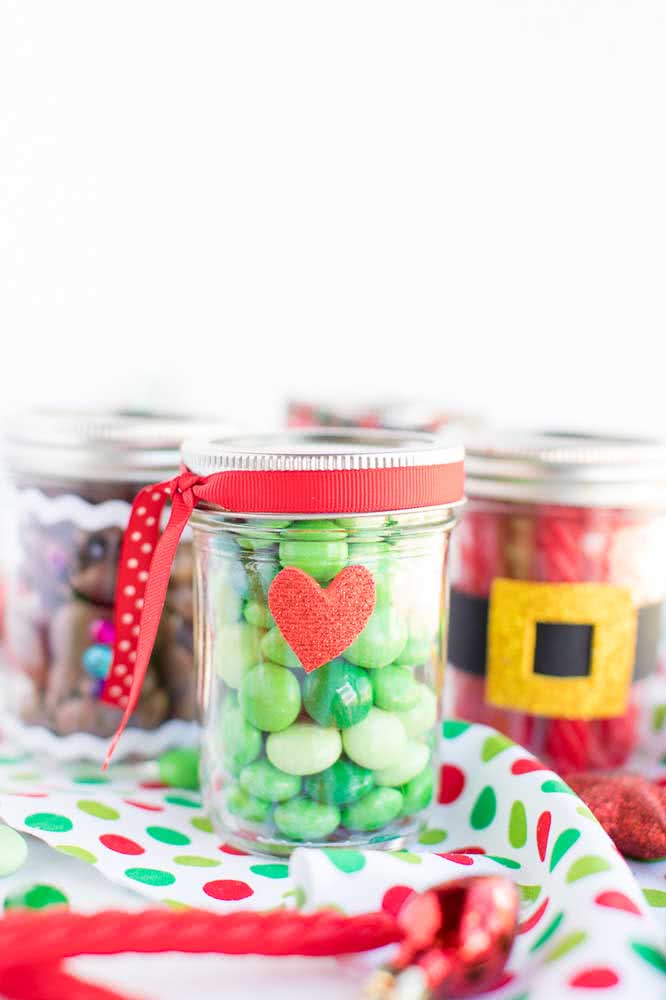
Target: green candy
{"type": "Point", "coordinates": [264, 781]}
{"type": "Point", "coordinates": [301, 819]}
{"type": "Point", "coordinates": [375, 810]}
{"type": "Point", "coordinates": [414, 758]}
{"type": "Point", "coordinates": [376, 557]}
{"type": "Point", "coordinates": [270, 697]}
{"type": "Point", "coordinates": [394, 688]}
{"type": "Point", "coordinates": [340, 784]}
{"type": "Point", "coordinates": [237, 649]}
{"type": "Point", "coordinates": [180, 768]}
{"type": "Point", "coordinates": [13, 850]}
{"type": "Point", "coordinates": [317, 547]}
{"type": "Point", "coordinates": [362, 524]}
{"type": "Point", "coordinates": [337, 694]}
{"type": "Point", "coordinates": [304, 748]}
{"type": "Point", "coordinates": [247, 806]}
{"type": "Point", "coordinates": [275, 647]}
{"type": "Point", "coordinates": [263, 536]}
{"type": "Point", "coordinates": [258, 614]}
{"type": "Point", "coordinates": [227, 599]}
{"type": "Point", "coordinates": [377, 742]}
{"type": "Point", "coordinates": [422, 715]}
{"type": "Point", "coordinates": [417, 649]}
{"type": "Point", "coordinates": [418, 793]}
{"type": "Point", "coordinates": [381, 641]}
{"type": "Point", "coordinates": [241, 742]}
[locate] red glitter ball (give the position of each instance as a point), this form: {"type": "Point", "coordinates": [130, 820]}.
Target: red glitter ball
{"type": "Point", "coordinates": [631, 809]}
{"type": "Point", "coordinates": [320, 624]}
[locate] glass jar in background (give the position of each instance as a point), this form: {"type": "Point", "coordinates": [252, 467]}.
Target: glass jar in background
{"type": "Point", "coordinates": [74, 478]}
{"type": "Point", "coordinates": [344, 754]}
{"type": "Point", "coordinates": [406, 415]}
{"type": "Point", "coordinates": [558, 578]}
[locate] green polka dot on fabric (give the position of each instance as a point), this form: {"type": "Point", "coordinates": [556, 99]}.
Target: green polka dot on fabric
{"type": "Point", "coordinates": [655, 958]}
{"type": "Point", "coordinates": [454, 727]}
{"type": "Point", "coordinates": [91, 779]}
{"type": "Point", "coordinates": [433, 837]}
{"type": "Point", "coordinates": [51, 822]}
{"type": "Point", "coordinates": [655, 897]}
{"type": "Point", "coordinates": [182, 800]}
{"type": "Point", "coordinates": [590, 864]}
{"type": "Point", "coordinates": [166, 835]}
{"type": "Point", "coordinates": [271, 871]}
{"type": "Point", "coordinates": [408, 857]}
{"type": "Point", "coordinates": [548, 933]}
{"type": "Point", "coordinates": [505, 862]}
{"type": "Point", "coordinates": [345, 859]}
{"type": "Point", "coordinates": [196, 861]}
{"type": "Point", "coordinates": [175, 904]}
{"type": "Point", "coordinates": [26, 776]}
{"type": "Point", "coordinates": [553, 785]}
{"type": "Point", "coordinates": [564, 843]}
{"type": "Point", "coordinates": [77, 852]}
{"type": "Point", "coordinates": [17, 759]}
{"type": "Point", "coordinates": [567, 944]}
{"type": "Point", "coordinates": [37, 897]}
{"type": "Point", "coordinates": [584, 811]}
{"type": "Point", "coordinates": [97, 809]}
{"type": "Point", "coordinates": [202, 823]}
{"type": "Point", "coordinates": [150, 876]}
{"type": "Point", "coordinates": [518, 825]}
{"type": "Point", "coordinates": [495, 745]}
{"type": "Point", "coordinates": [484, 809]}
{"type": "Point", "coordinates": [529, 893]}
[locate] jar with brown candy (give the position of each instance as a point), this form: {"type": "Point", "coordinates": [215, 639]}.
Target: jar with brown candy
{"type": "Point", "coordinates": [74, 477]}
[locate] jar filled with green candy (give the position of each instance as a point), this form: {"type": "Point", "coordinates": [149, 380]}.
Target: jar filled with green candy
{"type": "Point", "coordinates": [320, 630]}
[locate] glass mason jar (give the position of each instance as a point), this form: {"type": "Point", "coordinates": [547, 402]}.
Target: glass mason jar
{"type": "Point", "coordinates": [558, 578]}
{"type": "Point", "coordinates": [74, 478]}
{"type": "Point", "coordinates": [345, 751]}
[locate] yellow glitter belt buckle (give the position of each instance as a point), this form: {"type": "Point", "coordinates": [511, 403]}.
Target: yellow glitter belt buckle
{"type": "Point", "coordinates": [533, 651]}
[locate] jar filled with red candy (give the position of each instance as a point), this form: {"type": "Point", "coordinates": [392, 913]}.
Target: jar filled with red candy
{"type": "Point", "coordinates": [558, 579]}
{"type": "Point", "coordinates": [74, 476]}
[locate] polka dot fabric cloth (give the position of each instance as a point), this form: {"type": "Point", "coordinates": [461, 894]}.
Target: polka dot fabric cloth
{"type": "Point", "coordinates": [586, 929]}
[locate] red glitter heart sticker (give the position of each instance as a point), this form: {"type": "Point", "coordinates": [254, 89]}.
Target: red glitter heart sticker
{"type": "Point", "coordinates": [319, 623]}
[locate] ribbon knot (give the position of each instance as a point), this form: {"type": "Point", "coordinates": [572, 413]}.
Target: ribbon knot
{"type": "Point", "coordinates": [184, 485]}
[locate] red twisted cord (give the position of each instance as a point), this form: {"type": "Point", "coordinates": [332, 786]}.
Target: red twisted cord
{"type": "Point", "coordinates": [50, 982]}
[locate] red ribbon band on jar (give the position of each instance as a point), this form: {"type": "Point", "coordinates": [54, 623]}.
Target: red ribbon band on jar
{"type": "Point", "coordinates": [146, 556]}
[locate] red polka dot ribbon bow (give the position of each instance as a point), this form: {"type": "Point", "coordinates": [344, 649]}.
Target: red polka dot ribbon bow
{"type": "Point", "coordinates": [146, 555]}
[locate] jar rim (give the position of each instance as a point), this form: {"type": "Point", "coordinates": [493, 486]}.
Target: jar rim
{"type": "Point", "coordinates": [567, 468]}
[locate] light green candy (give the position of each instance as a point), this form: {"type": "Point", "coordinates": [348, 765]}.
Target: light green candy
{"type": "Point", "coordinates": [258, 614]}
{"type": "Point", "coordinates": [275, 647]}
{"type": "Point", "coordinates": [417, 649]}
{"type": "Point", "coordinates": [418, 793]}
{"type": "Point", "coordinates": [13, 850]}
{"type": "Point", "coordinates": [247, 806]}
{"type": "Point", "coordinates": [227, 600]}
{"type": "Point", "coordinates": [304, 748]}
{"type": "Point", "coordinates": [241, 742]}
{"type": "Point", "coordinates": [422, 716]}
{"type": "Point", "coordinates": [376, 557]}
{"type": "Point", "coordinates": [381, 641]}
{"type": "Point", "coordinates": [362, 524]}
{"type": "Point", "coordinates": [414, 758]}
{"type": "Point", "coordinates": [179, 768]}
{"type": "Point", "coordinates": [237, 650]}
{"type": "Point", "coordinates": [317, 547]}
{"type": "Point", "coordinates": [264, 781]}
{"type": "Point", "coordinates": [375, 810]}
{"type": "Point", "coordinates": [302, 819]}
{"type": "Point", "coordinates": [394, 688]}
{"type": "Point", "coordinates": [377, 742]}
{"type": "Point", "coordinates": [270, 697]}
{"type": "Point", "coordinates": [262, 537]}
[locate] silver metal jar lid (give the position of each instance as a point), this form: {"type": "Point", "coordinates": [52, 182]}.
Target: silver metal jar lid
{"type": "Point", "coordinates": [564, 468]}
{"type": "Point", "coordinates": [124, 446]}
{"type": "Point", "coordinates": [320, 450]}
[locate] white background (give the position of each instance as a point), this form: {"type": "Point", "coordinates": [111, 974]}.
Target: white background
{"type": "Point", "coordinates": [213, 204]}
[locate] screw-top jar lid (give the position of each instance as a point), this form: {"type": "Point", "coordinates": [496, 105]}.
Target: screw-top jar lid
{"type": "Point", "coordinates": [128, 446]}
{"type": "Point", "coordinates": [335, 469]}
{"type": "Point", "coordinates": [558, 467]}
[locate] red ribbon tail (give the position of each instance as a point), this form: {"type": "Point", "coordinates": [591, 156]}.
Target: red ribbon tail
{"type": "Point", "coordinates": [151, 603]}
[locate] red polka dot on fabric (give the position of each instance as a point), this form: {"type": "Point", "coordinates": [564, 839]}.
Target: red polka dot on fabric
{"type": "Point", "coordinates": [542, 833]}
{"type": "Point", "coordinates": [121, 845]}
{"type": "Point", "coordinates": [153, 784]}
{"type": "Point", "coordinates": [394, 897]}
{"type": "Point", "coordinates": [228, 888]}
{"type": "Point", "coordinates": [467, 850]}
{"type": "Point", "coordinates": [451, 783]}
{"type": "Point", "coordinates": [533, 920]}
{"type": "Point", "coordinates": [228, 849]}
{"type": "Point", "coordinates": [594, 979]}
{"type": "Point", "coordinates": [459, 859]}
{"type": "Point", "coordinates": [525, 765]}
{"type": "Point", "coordinates": [148, 806]}
{"type": "Point", "coordinates": [617, 901]}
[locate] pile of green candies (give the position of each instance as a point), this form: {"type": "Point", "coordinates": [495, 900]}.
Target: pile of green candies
{"type": "Point", "coordinates": [345, 751]}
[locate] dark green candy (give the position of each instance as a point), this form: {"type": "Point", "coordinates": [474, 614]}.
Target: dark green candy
{"type": "Point", "coordinates": [180, 768]}
{"type": "Point", "coordinates": [339, 785]}
{"type": "Point", "coordinates": [377, 809]}
{"type": "Point", "coordinates": [418, 793]}
{"type": "Point", "coordinates": [338, 694]}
